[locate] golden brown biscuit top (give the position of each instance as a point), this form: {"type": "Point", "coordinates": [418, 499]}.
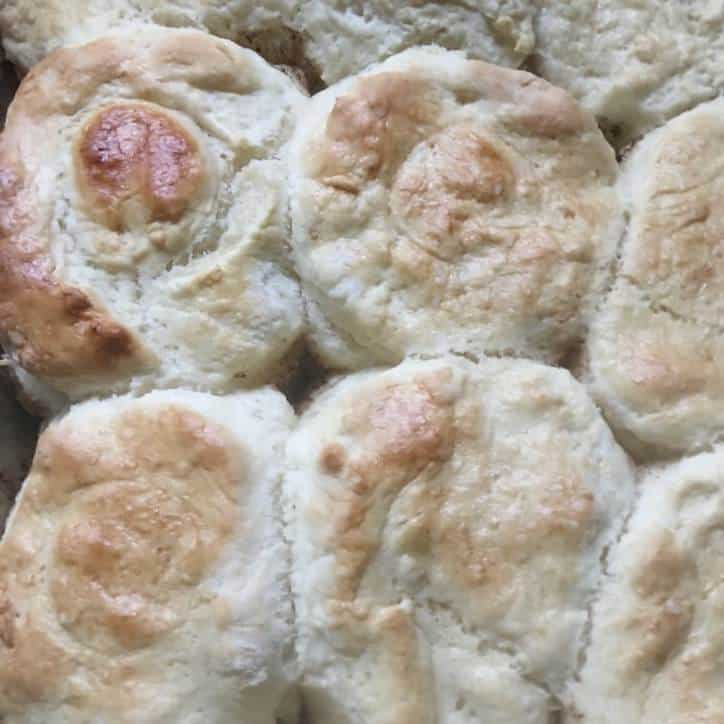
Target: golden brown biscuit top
{"type": "Point", "coordinates": [120, 522]}
{"type": "Point", "coordinates": [371, 128]}
{"type": "Point", "coordinates": [369, 131]}
{"type": "Point", "coordinates": [657, 635]}
{"type": "Point", "coordinates": [433, 506]}
{"type": "Point", "coordinates": [125, 166]}
{"type": "Point", "coordinates": [56, 328]}
{"type": "Point", "coordinates": [477, 527]}
{"type": "Point", "coordinates": [442, 204]}
{"type": "Point", "coordinates": [136, 160]}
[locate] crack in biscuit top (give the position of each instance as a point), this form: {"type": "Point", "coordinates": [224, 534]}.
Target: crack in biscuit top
{"type": "Point", "coordinates": [136, 164]}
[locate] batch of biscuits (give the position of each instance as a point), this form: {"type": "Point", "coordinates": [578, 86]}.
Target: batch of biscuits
{"type": "Point", "coordinates": [376, 351]}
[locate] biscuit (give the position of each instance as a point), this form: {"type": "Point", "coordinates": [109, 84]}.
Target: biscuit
{"type": "Point", "coordinates": [443, 204]}
{"type": "Point", "coordinates": [342, 38]}
{"type": "Point", "coordinates": [658, 627]}
{"type": "Point", "coordinates": [633, 64]}
{"type": "Point", "coordinates": [143, 572]}
{"type": "Point", "coordinates": [657, 349]}
{"type": "Point", "coordinates": [143, 222]}
{"type": "Point", "coordinates": [447, 522]}
{"type": "Point", "coordinates": [337, 38]}
{"type": "Point", "coordinates": [32, 29]}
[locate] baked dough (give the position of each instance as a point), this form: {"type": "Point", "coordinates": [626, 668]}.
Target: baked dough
{"type": "Point", "coordinates": [338, 37]}
{"type": "Point", "coordinates": [658, 628]}
{"type": "Point", "coordinates": [31, 29]}
{"type": "Point", "coordinates": [447, 522]}
{"type": "Point", "coordinates": [635, 64]}
{"type": "Point", "coordinates": [143, 217]}
{"type": "Point", "coordinates": [342, 37]}
{"type": "Point", "coordinates": [450, 534]}
{"type": "Point", "coordinates": [657, 349]}
{"type": "Point", "coordinates": [143, 573]}
{"type": "Point", "coordinates": [443, 204]}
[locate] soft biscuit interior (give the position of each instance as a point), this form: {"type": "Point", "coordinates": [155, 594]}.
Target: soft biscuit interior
{"type": "Point", "coordinates": [325, 39]}
{"type": "Point", "coordinates": [635, 65]}
{"type": "Point", "coordinates": [32, 30]}
{"type": "Point", "coordinates": [342, 39]}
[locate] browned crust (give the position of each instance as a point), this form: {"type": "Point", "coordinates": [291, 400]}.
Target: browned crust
{"type": "Point", "coordinates": [54, 329]}
{"type": "Point", "coordinates": [129, 528]}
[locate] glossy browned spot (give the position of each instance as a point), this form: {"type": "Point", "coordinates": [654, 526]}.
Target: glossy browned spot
{"type": "Point", "coordinates": [408, 427]}
{"type": "Point", "coordinates": [55, 329]}
{"type": "Point", "coordinates": [135, 161]}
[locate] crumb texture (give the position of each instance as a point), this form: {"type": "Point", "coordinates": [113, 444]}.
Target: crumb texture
{"type": "Point", "coordinates": [634, 64]}
{"type": "Point", "coordinates": [343, 38]}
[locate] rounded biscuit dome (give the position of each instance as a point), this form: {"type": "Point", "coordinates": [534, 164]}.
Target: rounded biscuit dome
{"type": "Point", "coordinates": [432, 508]}
{"type": "Point", "coordinates": [143, 223]}
{"type": "Point", "coordinates": [656, 653]}
{"type": "Point", "coordinates": [342, 38]}
{"type": "Point", "coordinates": [143, 572]}
{"type": "Point", "coordinates": [657, 348]}
{"type": "Point", "coordinates": [634, 65]}
{"type": "Point", "coordinates": [444, 204]}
